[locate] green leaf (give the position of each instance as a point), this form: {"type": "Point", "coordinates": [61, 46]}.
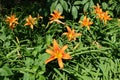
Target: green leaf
{"type": "Point", "coordinates": [84, 1]}
{"type": "Point", "coordinates": [77, 2]}
{"type": "Point", "coordinates": [26, 76]}
{"type": "Point", "coordinates": [64, 5]}
{"type": "Point", "coordinates": [104, 5]}
{"type": "Point", "coordinates": [59, 8]}
{"type": "Point", "coordinates": [111, 14]}
{"type": "Point", "coordinates": [86, 7]}
{"type": "Point", "coordinates": [5, 71]}
{"type": "Point", "coordinates": [41, 77]}
{"type": "Point", "coordinates": [74, 12]}
{"type": "Point", "coordinates": [29, 62]}
{"type": "Point", "coordinates": [91, 4]}
{"type": "Point", "coordinates": [6, 78]}
{"type": "Point", "coordinates": [58, 72]}
{"type": "Point", "coordinates": [53, 6]}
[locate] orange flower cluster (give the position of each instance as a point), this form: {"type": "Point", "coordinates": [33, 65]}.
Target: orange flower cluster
{"type": "Point", "coordinates": [57, 52]}
{"type": "Point", "coordinates": [102, 15]}
{"type": "Point", "coordinates": [30, 21]}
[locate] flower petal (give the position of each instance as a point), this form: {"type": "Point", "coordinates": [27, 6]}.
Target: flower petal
{"type": "Point", "coordinates": [31, 26]}
{"type": "Point", "coordinates": [55, 45]}
{"type": "Point", "coordinates": [66, 56]}
{"type": "Point", "coordinates": [68, 29]}
{"type": "Point", "coordinates": [65, 33]}
{"type": "Point", "coordinates": [78, 34]}
{"type": "Point", "coordinates": [50, 52]}
{"type": "Point", "coordinates": [60, 63]}
{"type": "Point", "coordinates": [50, 59]}
{"type": "Point", "coordinates": [64, 47]}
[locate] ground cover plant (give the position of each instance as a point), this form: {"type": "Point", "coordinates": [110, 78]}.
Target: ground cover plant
{"type": "Point", "coordinates": [59, 40]}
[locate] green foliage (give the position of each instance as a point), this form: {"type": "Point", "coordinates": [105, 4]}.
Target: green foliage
{"type": "Point", "coordinates": [95, 54]}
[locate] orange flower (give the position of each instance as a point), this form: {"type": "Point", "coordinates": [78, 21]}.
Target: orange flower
{"type": "Point", "coordinates": [71, 34]}
{"type": "Point", "coordinates": [57, 53]}
{"type": "Point", "coordinates": [99, 11]}
{"type": "Point", "coordinates": [55, 17]}
{"type": "Point", "coordinates": [12, 20]}
{"type": "Point", "coordinates": [30, 21]}
{"type": "Point", "coordinates": [100, 15]}
{"type": "Point", "coordinates": [86, 22]}
{"type": "Point", "coordinates": [106, 17]}
{"type": "Point", "coordinates": [97, 8]}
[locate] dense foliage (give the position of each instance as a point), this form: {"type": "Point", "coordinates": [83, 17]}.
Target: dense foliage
{"type": "Point", "coordinates": [38, 36]}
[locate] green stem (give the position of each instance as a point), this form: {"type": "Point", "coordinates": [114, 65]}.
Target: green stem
{"type": "Point", "coordinates": [89, 51]}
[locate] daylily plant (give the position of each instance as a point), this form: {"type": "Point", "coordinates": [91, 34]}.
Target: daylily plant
{"type": "Point", "coordinates": [30, 21]}
{"type": "Point", "coordinates": [57, 53]}
{"type": "Point", "coordinates": [12, 20]}
{"type": "Point", "coordinates": [71, 34]}
{"type": "Point", "coordinates": [56, 16]}
{"type": "Point", "coordinates": [102, 15]}
{"type": "Point", "coordinates": [86, 22]}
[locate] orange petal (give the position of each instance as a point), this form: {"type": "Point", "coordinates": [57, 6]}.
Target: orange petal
{"type": "Point", "coordinates": [88, 27]}
{"type": "Point", "coordinates": [68, 29]}
{"type": "Point", "coordinates": [50, 59]}
{"type": "Point", "coordinates": [66, 56]}
{"type": "Point", "coordinates": [78, 34]}
{"type": "Point", "coordinates": [64, 47]}
{"type": "Point", "coordinates": [65, 33]}
{"type": "Point", "coordinates": [50, 52]}
{"type": "Point", "coordinates": [85, 18]}
{"type": "Point", "coordinates": [31, 26]}
{"type": "Point", "coordinates": [60, 63]}
{"type": "Point", "coordinates": [55, 45]}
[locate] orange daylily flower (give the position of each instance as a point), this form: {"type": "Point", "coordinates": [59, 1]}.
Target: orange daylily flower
{"type": "Point", "coordinates": [86, 22]}
{"type": "Point", "coordinates": [71, 34]}
{"type": "Point", "coordinates": [30, 21]}
{"type": "Point", "coordinates": [100, 15]}
{"type": "Point", "coordinates": [97, 8]}
{"type": "Point", "coordinates": [106, 17]}
{"type": "Point", "coordinates": [56, 16]}
{"type": "Point", "coordinates": [12, 20]}
{"type": "Point", "coordinates": [98, 11]}
{"type": "Point", "coordinates": [57, 53]}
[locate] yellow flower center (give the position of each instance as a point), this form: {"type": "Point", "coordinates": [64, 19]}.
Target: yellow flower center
{"type": "Point", "coordinates": [58, 54]}
{"type": "Point", "coordinates": [70, 35]}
